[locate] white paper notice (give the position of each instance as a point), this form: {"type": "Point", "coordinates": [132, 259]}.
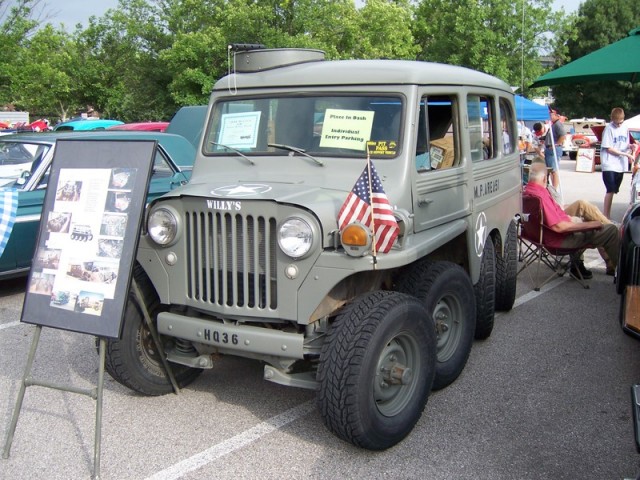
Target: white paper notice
{"type": "Point", "coordinates": [239, 130]}
{"type": "Point", "coordinates": [346, 128]}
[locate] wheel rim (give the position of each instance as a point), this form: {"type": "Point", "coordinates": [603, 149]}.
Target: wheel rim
{"type": "Point", "coordinates": [147, 351]}
{"type": "Point", "coordinates": [448, 318]}
{"type": "Point", "coordinates": [397, 373]}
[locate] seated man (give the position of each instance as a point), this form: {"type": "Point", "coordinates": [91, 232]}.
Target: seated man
{"type": "Point", "coordinates": [567, 232]}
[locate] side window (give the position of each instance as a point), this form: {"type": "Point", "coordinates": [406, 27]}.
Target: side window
{"type": "Point", "coordinates": [482, 137]}
{"type": "Point", "coordinates": [437, 142]}
{"type": "Point", "coordinates": [161, 168]}
{"type": "Point", "coordinates": [507, 122]}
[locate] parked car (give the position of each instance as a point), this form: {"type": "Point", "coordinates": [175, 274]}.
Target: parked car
{"type": "Point", "coordinates": [580, 135]}
{"type": "Point", "coordinates": [86, 124]}
{"type": "Point", "coordinates": [189, 122]}
{"type": "Point", "coordinates": [27, 158]}
{"type": "Point", "coordinates": [142, 126]}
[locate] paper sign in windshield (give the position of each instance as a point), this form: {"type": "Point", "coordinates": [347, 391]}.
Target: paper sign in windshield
{"type": "Point", "coordinates": [239, 130]}
{"type": "Point", "coordinates": [346, 128]}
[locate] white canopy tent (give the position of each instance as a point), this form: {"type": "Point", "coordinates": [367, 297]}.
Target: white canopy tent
{"type": "Point", "coordinates": [633, 122]}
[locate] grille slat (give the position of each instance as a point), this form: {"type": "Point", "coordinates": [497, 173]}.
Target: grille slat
{"type": "Point", "coordinates": [231, 260]}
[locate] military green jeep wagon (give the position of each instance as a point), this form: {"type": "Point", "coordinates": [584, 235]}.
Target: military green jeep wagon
{"type": "Point", "coordinates": [348, 223]}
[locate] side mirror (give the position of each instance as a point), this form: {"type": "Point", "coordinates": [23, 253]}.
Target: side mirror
{"type": "Point", "coordinates": [24, 176]}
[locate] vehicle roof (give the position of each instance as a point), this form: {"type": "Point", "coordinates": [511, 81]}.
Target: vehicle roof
{"type": "Point", "coordinates": [179, 148]}
{"type": "Point", "coordinates": [359, 72]}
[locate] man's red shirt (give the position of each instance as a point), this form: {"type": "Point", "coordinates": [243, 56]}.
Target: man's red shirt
{"type": "Point", "coordinates": [552, 212]}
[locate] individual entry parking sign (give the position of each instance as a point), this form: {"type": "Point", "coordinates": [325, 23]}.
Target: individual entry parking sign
{"type": "Point", "coordinates": [89, 230]}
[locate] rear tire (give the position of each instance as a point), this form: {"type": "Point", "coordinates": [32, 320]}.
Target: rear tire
{"type": "Point", "coordinates": [376, 369]}
{"type": "Point", "coordinates": [507, 270]}
{"type": "Point", "coordinates": [485, 292]}
{"type": "Point", "coordinates": [133, 360]}
{"type": "Point", "coordinates": [446, 291]}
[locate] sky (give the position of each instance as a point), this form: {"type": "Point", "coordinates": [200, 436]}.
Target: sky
{"type": "Point", "coordinates": [71, 12]}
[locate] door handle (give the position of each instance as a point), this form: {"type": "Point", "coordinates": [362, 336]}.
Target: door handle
{"type": "Point", "coordinates": [424, 201]}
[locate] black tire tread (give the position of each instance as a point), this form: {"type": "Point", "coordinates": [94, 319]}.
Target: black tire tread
{"type": "Point", "coordinates": [417, 282]}
{"type": "Point", "coordinates": [343, 353]}
{"type": "Point", "coordinates": [116, 355]}
{"type": "Point", "coordinates": [507, 270]}
{"type": "Point", "coordinates": [485, 292]}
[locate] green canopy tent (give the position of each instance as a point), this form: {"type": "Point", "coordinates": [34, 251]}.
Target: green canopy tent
{"type": "Point", "coordinates": [617, 61]}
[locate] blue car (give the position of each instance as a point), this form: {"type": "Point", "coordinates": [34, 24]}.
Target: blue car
{"type": "Point", "coordinates": [25, 161]}
{"type": "Point", "coordinates": [86, 125]}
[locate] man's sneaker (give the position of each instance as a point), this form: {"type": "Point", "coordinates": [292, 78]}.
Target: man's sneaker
{"type": "Point", "coordinates": [579, 270]}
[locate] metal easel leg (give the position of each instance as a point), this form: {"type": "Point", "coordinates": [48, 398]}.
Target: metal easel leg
{"type": "Point", "coordinates": [23, 387]}
{"type": "Point", "coordinates": [155, 336]}
{"type": "Point", "coordinates": [98, 431]}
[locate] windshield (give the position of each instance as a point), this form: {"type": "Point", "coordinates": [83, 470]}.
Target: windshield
{"type": "Point", "coordinates": [19, 160]}
{"type": "Point", "coordinates": [319, 125]}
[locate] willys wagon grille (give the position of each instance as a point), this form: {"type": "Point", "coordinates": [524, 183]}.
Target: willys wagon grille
{"type": "Point", "coordinates": [231, 259]}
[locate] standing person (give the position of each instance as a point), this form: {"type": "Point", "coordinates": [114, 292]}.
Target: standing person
{"type": "Point", "coordinates": [537, 140]}
{"type": "Point", "coordinates": [554, 140]}
{"type": "Point", "coordinates": [614, 157]}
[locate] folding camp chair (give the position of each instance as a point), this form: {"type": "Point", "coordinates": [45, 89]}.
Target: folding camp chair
{"type": "Point", "coordinates": [533, 248]}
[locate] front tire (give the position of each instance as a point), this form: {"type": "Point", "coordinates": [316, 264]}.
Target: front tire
{"type": "Point", "coordinates": [376, 369]}
{"type": "Point", "coordinates": [446, 291]}
{"type": "Point", "coordinates": [133, 360]}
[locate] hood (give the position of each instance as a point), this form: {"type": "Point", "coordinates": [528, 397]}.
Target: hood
{"type": "Point", "coordinates": [324, 203]}
{"type": "Point", "coordinates": [597, 131]}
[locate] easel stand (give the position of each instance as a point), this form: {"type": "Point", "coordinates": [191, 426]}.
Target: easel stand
{"type": "Point", "coordinates": [95, 393]}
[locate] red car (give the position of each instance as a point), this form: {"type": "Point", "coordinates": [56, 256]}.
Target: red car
{"type": "Point", "coordinates": [145, 126]}
{"type": "Point", "coordinates": [634, 138]}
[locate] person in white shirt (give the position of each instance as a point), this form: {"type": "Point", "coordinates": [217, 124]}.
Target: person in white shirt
{"type": "Point", "coordinates": [615, 158]}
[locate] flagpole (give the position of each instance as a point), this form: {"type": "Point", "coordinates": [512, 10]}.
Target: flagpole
{"type": "Point", "coordinates": [373, 221]}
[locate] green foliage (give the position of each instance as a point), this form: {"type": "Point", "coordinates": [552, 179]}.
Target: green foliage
{"type": "Point", "coordinates": [492, 36]}
{"type": "Point", "coordinates": [145, 58]}
{"type": "Point", "coordinates": [597, 24]}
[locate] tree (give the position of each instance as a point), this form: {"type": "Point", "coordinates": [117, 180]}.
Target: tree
{"type": "Point", "coordinates": [42, 81]}
{"type": "Point", "coordinates": [118, 60]}
{"type": "Point", "coordinates": [597, 24]}
{"type": "Point", "coordinates": [492, 36]}
{"type": "Point", "coordinates": [16, 26]}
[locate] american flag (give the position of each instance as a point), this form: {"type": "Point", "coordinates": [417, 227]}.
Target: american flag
{"type": "Point", "coordinates": [357, 207]}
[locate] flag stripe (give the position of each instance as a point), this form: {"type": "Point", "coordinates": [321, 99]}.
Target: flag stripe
{"type": "Point", "coordinates": [359, 204]}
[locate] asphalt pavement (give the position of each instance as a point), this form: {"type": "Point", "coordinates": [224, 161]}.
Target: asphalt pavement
{"type": "Point", "coordinates": [545, 397]}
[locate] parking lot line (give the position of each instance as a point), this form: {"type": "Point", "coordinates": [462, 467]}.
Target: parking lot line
{"type": "Point", "coordinates": [9, 325]}
{"type": "Point", "coordinates": [234, 443]}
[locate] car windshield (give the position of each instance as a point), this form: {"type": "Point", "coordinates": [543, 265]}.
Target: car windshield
{"type": "Point", "coordinates": [19, 160]}
{"type": "Point", "coordinates": [321, 126]}
{"type": "Point", "coordinates": [635, 134]}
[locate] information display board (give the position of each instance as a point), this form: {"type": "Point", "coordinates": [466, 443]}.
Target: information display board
{"type": "Point", "coordinates": [586, 160]}
{"type": "Point", "coordinates": [89, 231]}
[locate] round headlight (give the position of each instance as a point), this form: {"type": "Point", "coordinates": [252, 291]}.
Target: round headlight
{"type": "Point", "coordinates": [162, 226]}
{"type": "Point", "coordinates": [295, 237]}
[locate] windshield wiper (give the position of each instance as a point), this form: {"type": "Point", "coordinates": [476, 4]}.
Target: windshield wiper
{"type": "Point", "coordinates": [235, 150]}
{"type": "Point", "coordinates": [296, 150]}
